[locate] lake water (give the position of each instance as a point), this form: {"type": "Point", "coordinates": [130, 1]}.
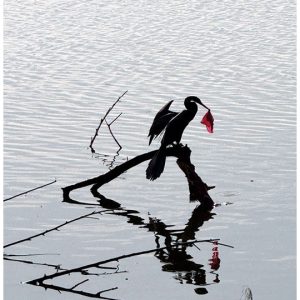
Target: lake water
{"type": "Point", "coordinates": [66, 62]}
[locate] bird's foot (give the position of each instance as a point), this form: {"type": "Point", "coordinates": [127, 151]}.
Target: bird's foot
{"type": "Point", "coordinates": [177, 145]}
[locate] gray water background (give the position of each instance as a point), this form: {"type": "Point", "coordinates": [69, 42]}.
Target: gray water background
{"type": "Point", "coordinates": [66, 62]}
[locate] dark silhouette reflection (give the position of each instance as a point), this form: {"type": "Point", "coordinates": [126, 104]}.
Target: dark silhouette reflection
{"type": "Point", "coordinates": [215, 260]}
{"type": "Point", "coordinates": [176, 259]}
{"type": "Point", "coordinates": [171, 250]}
{"type": "Point", "coordinates": [200, 215]}
{"type": "Point", "coordinates": [110, 161]}
{"type": "Point", "coordinates": [130, 214]}
{"type": "Point", "coordinates": [171, 244]}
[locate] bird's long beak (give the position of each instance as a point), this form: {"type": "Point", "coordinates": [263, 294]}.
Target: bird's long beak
{"type": "Point", "coordinates": [203, 104]}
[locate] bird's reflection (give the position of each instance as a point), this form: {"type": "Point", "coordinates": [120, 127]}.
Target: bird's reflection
{"type": "Point", "coordinates": [176, 259]}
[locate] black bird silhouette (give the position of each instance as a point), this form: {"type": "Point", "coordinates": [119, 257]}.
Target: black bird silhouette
{"type": "Point", "coordinates": [174, 124]}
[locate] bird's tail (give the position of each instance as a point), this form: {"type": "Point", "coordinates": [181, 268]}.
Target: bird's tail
{"type": "Point", "coordinates": [157, 164]}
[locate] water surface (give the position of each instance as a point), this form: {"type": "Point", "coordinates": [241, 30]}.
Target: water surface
{"type": "Point", "coordinates": [66, 62]}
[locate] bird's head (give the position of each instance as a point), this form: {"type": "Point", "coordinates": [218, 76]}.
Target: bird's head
{"type": "Point", "coordinates": [190, 99]}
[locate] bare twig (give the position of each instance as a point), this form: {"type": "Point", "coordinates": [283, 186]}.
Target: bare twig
{"type": "Point", "coordinates": [76, 285]}
{"type": "Point", "coordinates": [108, 125]}
{"type": "Point", "coordinates": [102, 120]}
{"type": "Point", "coordinates": [225, 245]}
{"type": "Point", "coordinates": [57, 267]}
{"type": "Point", "coordinates": [29, 255]}
{"type": "Point", "coordinates": [111, 273]}
{"type": "Point", "coordinates": [86, 294]}
{"type": "Point", "coordinates": [39, 187]}
{"type": "Point", "coordinates": [52, 229]}
{"type": "Point", "coordinates": [115, 119]}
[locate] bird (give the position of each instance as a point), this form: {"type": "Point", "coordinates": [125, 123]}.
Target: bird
{"type": "Point", "coordinates": [173, 125]}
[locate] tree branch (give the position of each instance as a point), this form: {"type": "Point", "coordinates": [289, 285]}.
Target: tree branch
{"type": "Point", "coordinates": [76, 285]}
{"type": "Point", "coordinates": [198, 189]}
{"type": "Point", "coordinates": [108, 125]}
{"type": "Point", "coordinates": [57, 267]}
{"type": "Point", "coordinates": [86, 294]}
{"type": "Point", "coordinates": [115, 119]}
{"type": "Point", "coordinates": [102, 120]}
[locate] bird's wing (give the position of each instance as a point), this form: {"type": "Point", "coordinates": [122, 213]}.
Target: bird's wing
{"type": "Point", "coordinates": [164, 110]}
{"type": "Point", "coordinates": [159, 125]}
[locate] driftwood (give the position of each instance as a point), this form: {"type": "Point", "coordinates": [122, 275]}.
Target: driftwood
{"type": "Point", "coordinates": [108, 124]}
{"type": "Point", "coordinates": [198, 189]}
{"type": "Point", "coordinates": [34, 189]}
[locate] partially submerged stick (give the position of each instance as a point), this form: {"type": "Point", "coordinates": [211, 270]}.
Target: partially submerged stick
{"type": "Point", "coordinates": [55, 228]}
{"type": "Point", "coordinates": [57, 267]}
{"type": "Point", "coordinates": [34, 189]}
{"type": "Point", "coordinates": [108, 125]}
{"type": "Point", "coordinates": [104, 119]}
{"type": "Point", "coordinates": [82, 293]}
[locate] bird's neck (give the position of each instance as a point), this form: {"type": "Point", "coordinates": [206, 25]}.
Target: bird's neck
{"type": "Point", "coordinates": [190, 113]}
{"type": "Point", "coordinates": [191, 106]}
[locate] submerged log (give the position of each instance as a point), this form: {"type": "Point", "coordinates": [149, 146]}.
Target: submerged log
{"type": "Point", "coordinates": [198, 189]}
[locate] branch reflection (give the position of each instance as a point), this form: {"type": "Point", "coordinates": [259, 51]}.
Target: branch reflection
{"type": "Point", "coordinates": [171, 250]}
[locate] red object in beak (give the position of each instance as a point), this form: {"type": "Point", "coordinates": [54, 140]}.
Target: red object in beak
{"type": "Point", "coordinates": [208, 121]}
